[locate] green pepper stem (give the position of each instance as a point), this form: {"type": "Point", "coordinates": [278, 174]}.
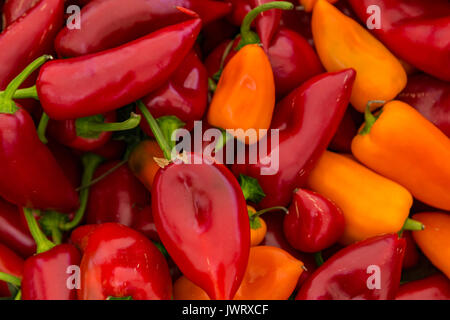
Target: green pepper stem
{"type": "Point", "coordinates": [98, 127]}
{"type": "Point", "coordinates": [413, 225]}
{"type": "Point", "coordinates": [261, 212]}
{"type": "Point", "coordinates": [370, 119]}
{"type": "Point", "coordinates": [42, 243]}
{"type": "Point", "coordinates": [248, 36]}
{"type": "Point", "coordinates": [26, 93]}
{"type": "Point", "coordinates": [42, 128]}
{"type": "Point", "coordinates": [10, 279]}
{"type": "Point", "coordinates": [90, 162]}
{"type": "Point", "coordinates": [18, 295]}
{"type": "Point", "coordinates": [8, 106]}
{"type": "Point", "coordinates": [319, 258]}
{"type": "Point", "coordinates": [156, 130]}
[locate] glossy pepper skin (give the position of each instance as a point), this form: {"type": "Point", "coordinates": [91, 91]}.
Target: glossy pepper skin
{"type": "Point", "coordinates": [29, 38]}
{"type": "Point", "coordinates": [110, 79]}
{"type": "Point", "coordinates": [342, 43]}
{"type": "Point", "coordinates": [13, 231]}
{"type": "Point", "coordinates": [127, 21]}
{"type": "Point", "coordinates": [190, 225]}
{"type": "Point", "coordinates": [436, 287]}
{"type": "Point", "coordinates": [405, 147]}
{"type": "Point", "coordinates": [10, 263]}
{"type": "Point", "coordinates": [267, 22]}
{"type": "Point", "coordinates": [120, 262]}
{"type": "Point", "coordinates": [185, 95]}
{"type": "Point", "coordinates": [431, 97]}
{"type": "Point", "coordinates": [245, 95]}
{"type": "Point", "coordinates": [145, 224]}
{"type": "Point", "coordinates": [433, 242]}
{"type": "Point", "coordinates": [313, 223]}
{"type": "Point", "coordinates": [45, 274]}
{"type": "Point", "coordinates": [422, 25]}
{"type": "Point", "coordinates": [372, 205]}
{"type": "Point", "coordinates": [272, 274]}
{"type": "Point", "coordinates": [14, 9]}
{"type": "Point", "coordinates": [346, 275]}
{"type": "Point", "coordinates": [307, 119]}
{"type": "Point", "coordinates": [119, 197]}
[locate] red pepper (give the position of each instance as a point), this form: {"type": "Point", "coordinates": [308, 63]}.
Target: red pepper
{"type": "Point", "coordinates": [45, 275]}
{"type": "Point", "coordinates": [411, 253]}
{"type": "Point", "coordinates": [185, 95]}
{"type": "Point", "coordinates": [90, 133]}
{"type": "Point", "coordinates": [348, 129]}
{"type": "Point", "coordinates": [69, 162]}
{"type": "Point", "coordinates": [112, 150]}
{"type": "Point", "coordinates": [431, 97]}
{"type": "Point", "coordinates": [13, 232]}
{"type": "Point", "coordinates": [11, 264]}
{"type": "Point", "coordinates": [307, 119]}
{"type": "Point", "coordinates": [422, 25]}
{"type": "Point", "coordinates": [129, 20]}
{"type": "Point", "coordinates": [215, 33]}
{"type": "Point", "coordinates": [145, 224]}
{"type": "Point", "coordinates": [120, 262]}
{"type": "Point", "coordinates": [80, 236]}
{"type": "Point", "coordinates": [436, 287]}
{"type": "Point", "coordinates": [267, 22]}
{"type": "Point", "coordinates": [30, 174]}
{"type": "Point", "coordinates": [239, 10]}
{"type": "Point", "coordinates": [366, 270]}
{"type": "Point", "coordinates": [208, 200]}
{"type": "Point", "coordinates": [14, 9]}
{"type": "Point", "coordinates": [118, 197]}
{"type": "Point", "coordinates": [313, 223]}
{"type": "Point", "coordinates": [111, 79]}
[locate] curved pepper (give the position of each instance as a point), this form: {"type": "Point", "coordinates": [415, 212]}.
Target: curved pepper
{"type": "Point", "coordinates": [272, 274]}
{"type": "Point", "coordinates": [185, 95]}
{"type": "Point", "coordinates": [11, 264]}
{"type": "Point", "coordinates": [118, 197]}
{"type": "Point", "coordinates": [129, 20]}
{"type": "Point", "coordinates": [436, 287]}
{"type": "Point", "coordinates": [108, 267]}
{"type": "Point", "coordinates": [422, 25]}
{"type": "Point", "coordinates": [105, 81]}
{"type": "Point", "coordinates": [431, 97]}
{"type": "Point", "coordinates": [36, 182]}
{"type": "Point", "coordinates": [433, 241]}
{"type": "Point", "coordinates": [405, 147]}
{"type": "Point", "coordinates": [342, 43]}
{"type": "Point", "coordinates": [267, 22]}
{"type": "Point", "coordinates": [313, 223]}
{"type": "Point", "coordinates": [307, 119]}
{"type": "Point", "coordinates": [372, 205]}
{"type": "Point", "coordinates": [14, 9]}
{"type": "Point", "coordinates": [349, 274]}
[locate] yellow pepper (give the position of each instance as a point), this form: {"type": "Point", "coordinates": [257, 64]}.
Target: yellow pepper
{"type": "Point", "coordinates": [372, 205]}
{"type": "Point", "coordinates": [342, 43]}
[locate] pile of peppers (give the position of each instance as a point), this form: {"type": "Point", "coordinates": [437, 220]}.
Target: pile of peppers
{"type": "Point", "coordinates": [98, 203]}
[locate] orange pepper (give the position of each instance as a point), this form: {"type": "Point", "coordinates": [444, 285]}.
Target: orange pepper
{"type": "Point", "coordinates": [342, 43]}
{"type": "Point", "coordinates": [407, 148]}
{"type": "Point", "coordinates": [142, 161]}
{"type": "Point", "coordinates": [434, 240]}
{"type": "Point", "coordinates": [372, 204]}
{"type": "Point", "coordinates": [258, 228]}
{"type": "Point", "coordinates": [308, 5]}
{"type": "Point", "coordinates": [272, 274]}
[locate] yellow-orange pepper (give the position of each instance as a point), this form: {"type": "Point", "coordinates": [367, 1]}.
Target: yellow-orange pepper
{"type": "Point", "coordinates": [342, 43]}
{"type": "Point", "coordinates": [372, 204]}
{"type": "Point", "coordinates": [142, 161]}
{"type": "Point", "coordinates": [272, 274]}
{"type": "Point", "coordinates": [258, 228]}
{"type": "Point", "coordinates": [308, 5]}
{"type": "Point", "coordinates": [407, 148]}
{"type": "Point", "coordinates": [434, 240]}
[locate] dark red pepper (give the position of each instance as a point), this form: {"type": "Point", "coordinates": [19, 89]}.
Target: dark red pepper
{"type": "Point", "coordinates": [118, 197]}
{"type": "Point", "coordinates": [436, 287]}
{"type": "Point", "coordinates": [431, 97]}
{"type": "Point", "coordinates": [102, 82]}
{"type": "Point", "coordinates": [120, 262]}
{"type": "Point", "coordinates": [348, 129]}
{"type": "Point", "coordinates": [313, 223]}
{"type": "Point", "coordinates": [112, 150]}
{"type": "Point", "coordinates": [422, 25]}
{"type": "Point", "coordinates": [31, 176]}
{"type": "Point", "coordinates": [145, 224]}
{"type": "Point", "coordinates": [411, 253]}
{"type": "Point", "coordinates": [367, 270]}
{"type": "Point", "coordinates": [129, 20]}
{"type": "Point", "coordinates": [185, 95]}
{"type": "Point", "coordinates": [14, 9]}
{"type": "Point", "coordinates": [46, 274]}
{"type": "Point", "coordinates": [11, 264]}
{"type": "Point", "coordinates": [13, 232]}
{"type": "Point", "coordinates": [267, 22]}
{"type": "Point", "coordinates": [307, 119]}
